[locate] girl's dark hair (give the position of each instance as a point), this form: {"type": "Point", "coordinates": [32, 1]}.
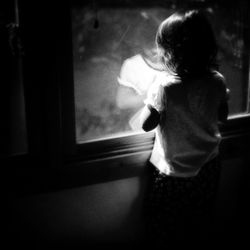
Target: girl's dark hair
{"type": "Point", "coordinates": [187, 43]}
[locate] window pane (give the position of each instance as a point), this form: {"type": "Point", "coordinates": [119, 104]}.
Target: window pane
{"type": "Point", "coordinates": [114, 58]}
{"type": "Point", "coordinates": [232, 29]}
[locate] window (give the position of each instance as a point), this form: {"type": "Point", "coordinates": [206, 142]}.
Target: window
{"type": "Point", "coordinates": [231, 27]}
{"type": "Point", "coordinates": [51, 107]}
{"type": "Point", "coordinates": [113, 48]}
{"type": "Point", "coordinates": [113, 42]}
{"type": "Point", "coordinates": [110, 47]}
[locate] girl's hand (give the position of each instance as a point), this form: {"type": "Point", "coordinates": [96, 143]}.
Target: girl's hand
{"type": "Point", "coordinates": [150, 118]}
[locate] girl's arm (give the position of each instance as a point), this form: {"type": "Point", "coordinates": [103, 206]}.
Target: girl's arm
{"type": "Point", "coordinates": [150, 118]}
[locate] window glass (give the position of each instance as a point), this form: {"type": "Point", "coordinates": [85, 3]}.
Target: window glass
{"type": "Point", "coordinates": [115, 62]}
{"type": "Point", "coordinates": [232, 32]}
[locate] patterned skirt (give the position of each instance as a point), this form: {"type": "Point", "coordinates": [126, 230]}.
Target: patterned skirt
{"type": "Point", "coordinates": [181, 209]}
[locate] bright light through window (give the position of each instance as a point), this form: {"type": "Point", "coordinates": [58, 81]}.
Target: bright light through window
{"type": "Point", "coordinates": [114, 62]}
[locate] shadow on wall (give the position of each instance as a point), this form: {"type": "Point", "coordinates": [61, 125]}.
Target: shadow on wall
{"type": "Point", "coordinates": [100, 214]}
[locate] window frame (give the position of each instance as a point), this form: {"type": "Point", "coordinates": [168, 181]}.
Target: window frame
{"type": "Point", "coordinates": [138, 142]}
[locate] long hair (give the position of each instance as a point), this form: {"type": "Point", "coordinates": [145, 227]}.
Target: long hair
{"type": "Point", "coordinates": [186, 43]}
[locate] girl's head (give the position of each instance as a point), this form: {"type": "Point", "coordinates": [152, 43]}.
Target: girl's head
{"type": "Point", "coordinates": [186, 43]}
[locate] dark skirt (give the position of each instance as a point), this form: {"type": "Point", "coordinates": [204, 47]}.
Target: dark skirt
{"type": "Point", "coordinates": [181, 209]}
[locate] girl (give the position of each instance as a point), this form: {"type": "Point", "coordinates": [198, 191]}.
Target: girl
{"type": "Point", "coordinates": [184, 110]}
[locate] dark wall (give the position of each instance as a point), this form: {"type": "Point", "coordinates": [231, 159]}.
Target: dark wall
{"type": "Point", "coordinates": [104, 212]}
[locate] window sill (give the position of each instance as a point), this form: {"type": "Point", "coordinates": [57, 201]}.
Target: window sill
{"type": "Point", "coordinates": [111, 159]}
{"type": "Point", "coordinates": [135, 144]}
{"type": "Point", "coordinates": [237, 125]}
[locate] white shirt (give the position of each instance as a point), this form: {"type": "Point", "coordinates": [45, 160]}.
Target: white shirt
{"type": "Point", "coordinates": [187, 136]}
